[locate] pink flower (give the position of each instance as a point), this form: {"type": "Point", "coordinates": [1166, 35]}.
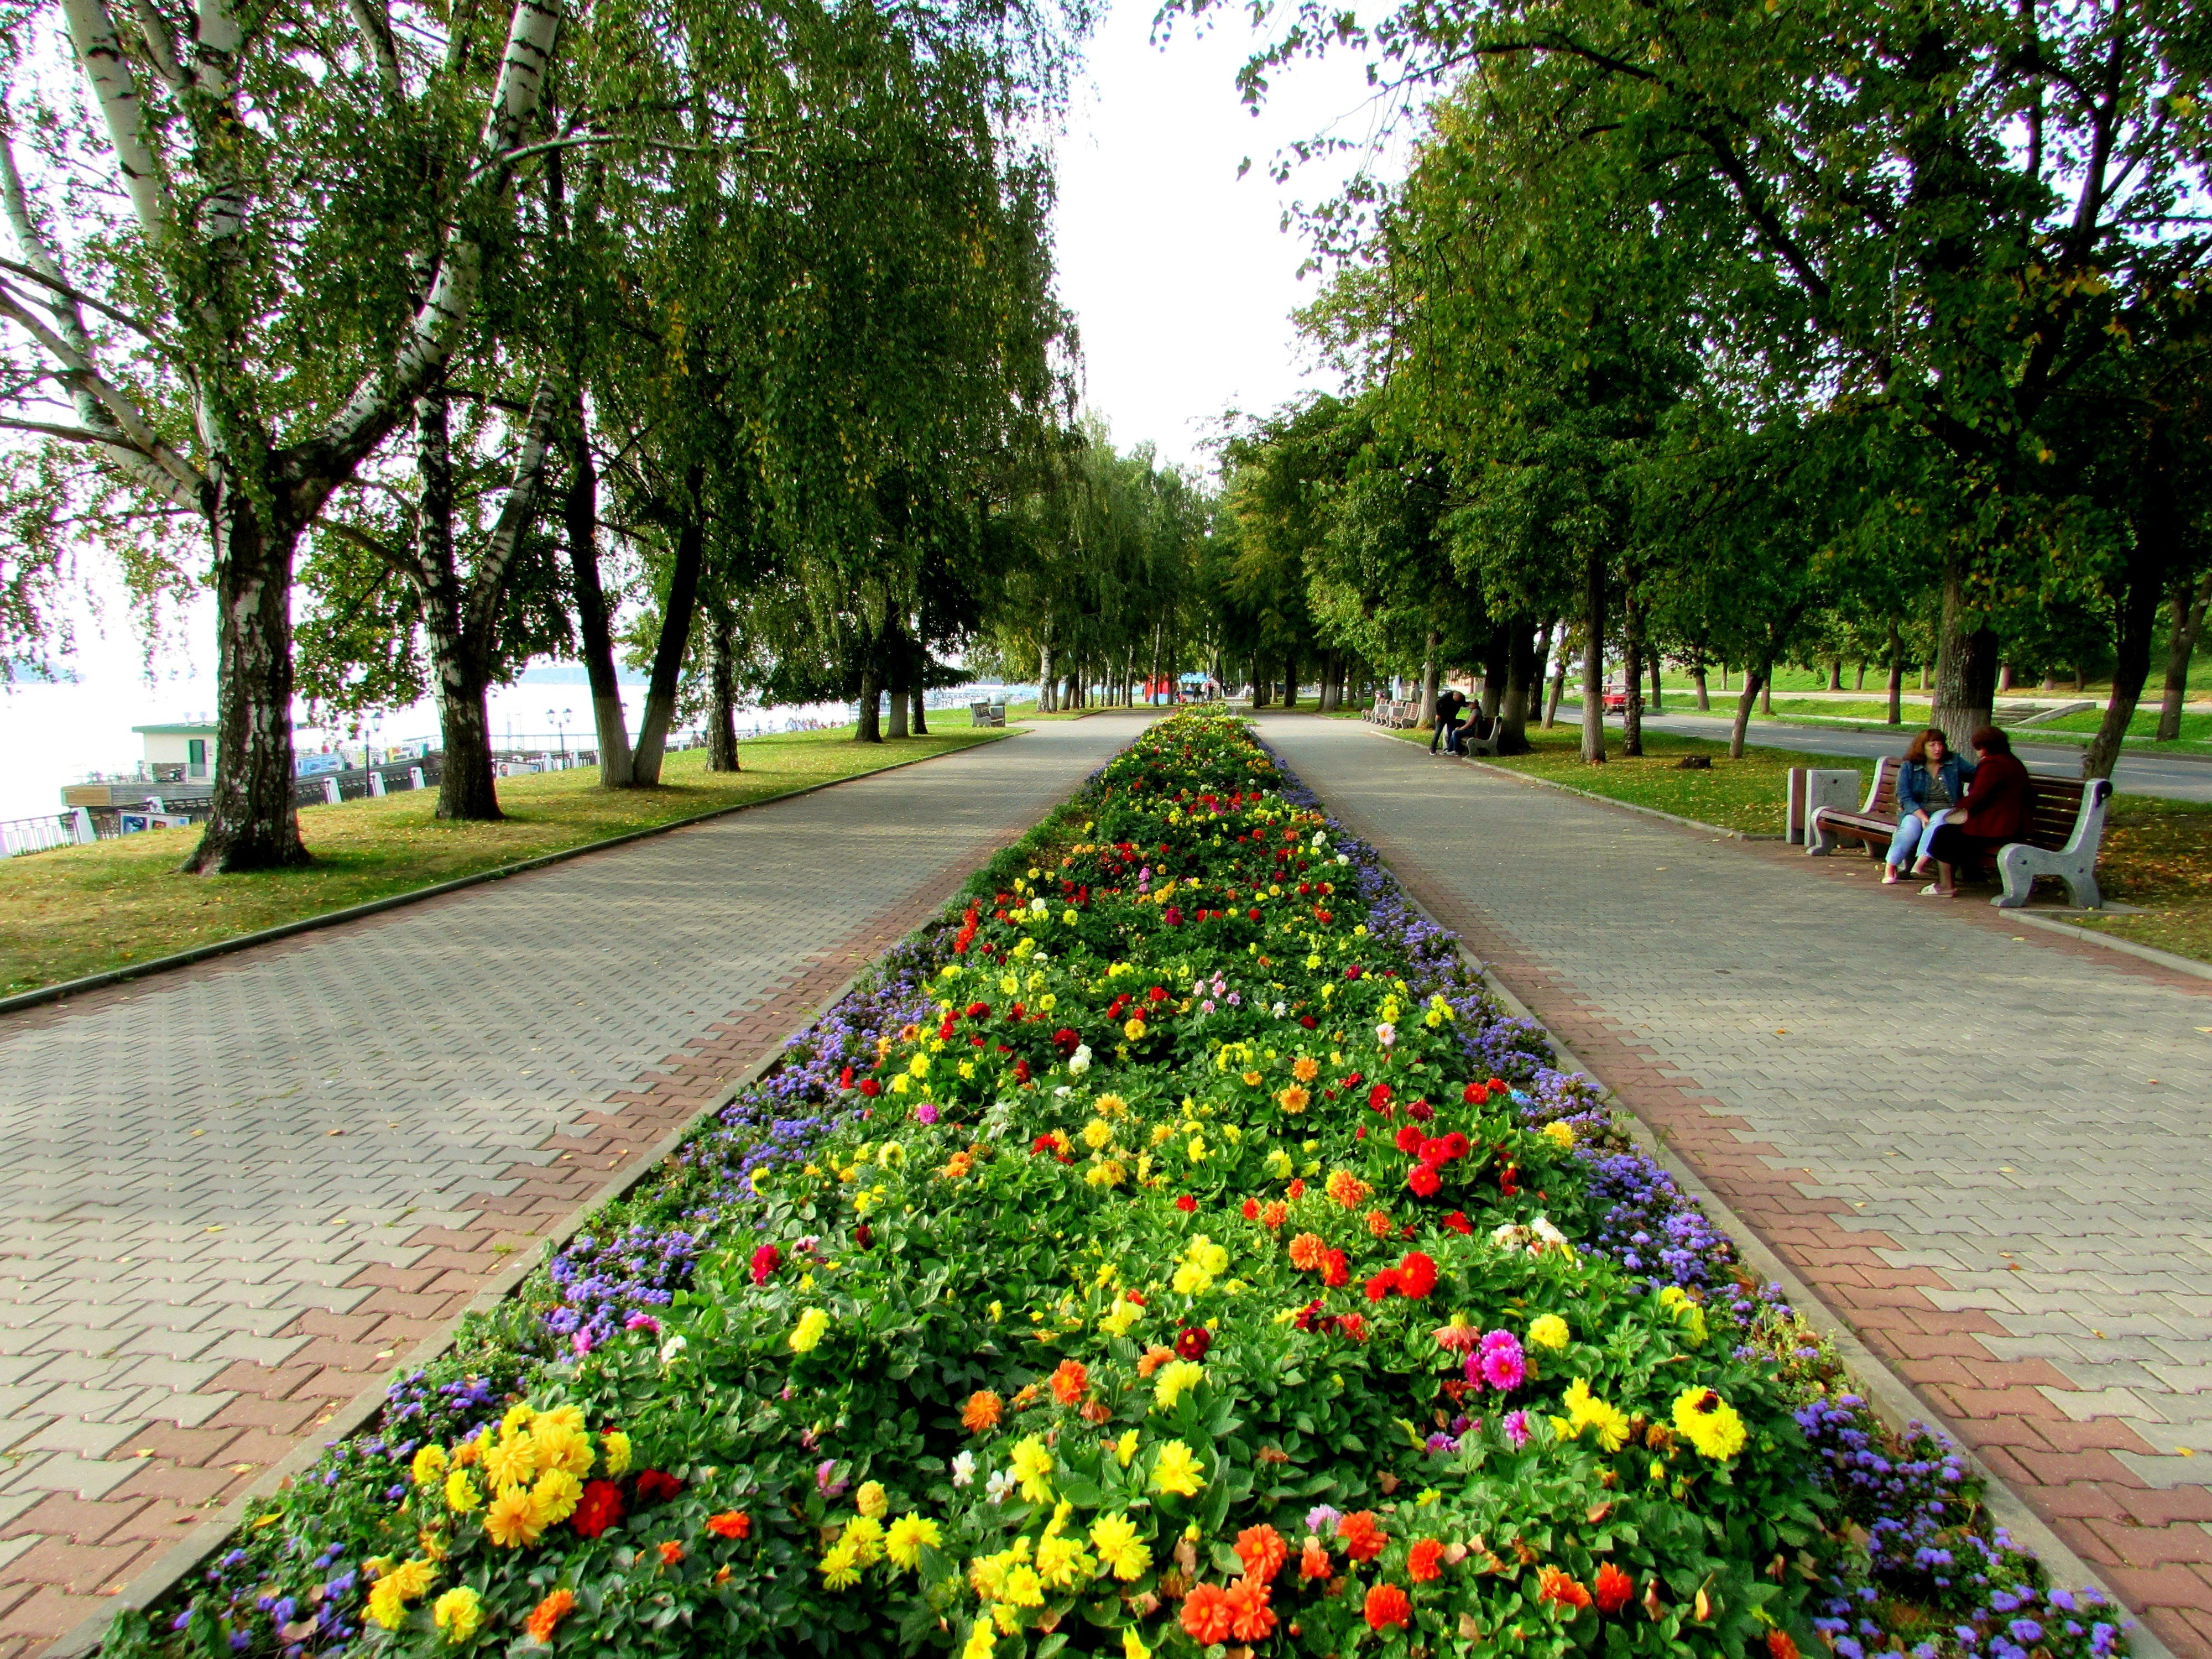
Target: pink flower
{"type": "Point", "coordinates": [581, 1343]}
{"type": "Point", "coordinates": [638, 1322]}
{"type": "Point", "coordinates": [1501, 1363]}
{"type": "Point", "coordinates": [926, 1112]}
{"type": "Point", "coordinates": [1516, 1427]}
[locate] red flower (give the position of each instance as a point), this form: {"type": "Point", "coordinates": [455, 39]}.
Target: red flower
{"type": "Point", "coordinates": [1386, 1606]}
{"type": "Point", "coordinates": [1186, 1204]}
{"type": "Point", "coordinates": [1409, 1140]}
{"type": "Point", "coordinates": [1336, 1270]}
{"type": "Point", "coordinates": [1206, 1615]}
{"type": "Point", "coordinates": [1263, 1551]}
{"type": "Point", "coordinates": [1433, 1151]}
{"type": "Point", "coordinates": [1352, 1327]}
{"type": "Point", "coordinates": [600, 1507]}
{"type": "Point", "coordinates": [1456, 1145]}
{"type": "Point", "coordinates": [1309, 1023]}
{"type": "Point", "coordinates": [1250, 1618]}
{"type": "Point", "coordinates": [1779, 1646]}
{"type": "Point", "coordinates": [1424, 1180]}
{"type": "Point", "coordinates": [1191, 1341]}
{"type": "Point", "coordinates": [1378, 1096]}
{"type": "Point", "coordinates": [1158, 994]}
{"type": "Point", "coordinates": [766, 1260]}
{"type": "Point", "coordinates": [1417, 1275]}
{"type": "Point", "coordinates": [670, 1553]}
{"type": "Point", "coordinates": [1065, 1042]}
{"type": "Point", "coordinates": [1557, 1586]}
{"type": "Point", "coordinates": [1423, 1561]}
{"type": "Point", "coordinates": [1252, 915]}
{"type": "Point", "coordinates": [1421, 1111]}
{"type": "Point", "coordinates": [1297, 1188]}
{"type": "Point", "coordinates": [654, 1485]}
{"type": "Point", "coordinates": [1021, 1071]}
{"type": "Point", "coordinates": [845, 1077]}
{"type": "Point", "coordinates": [865, 1237]}
{"type": "Point", "coordinates": [1497, 1086]}
{"type": "Point", "coordinates": [1382, 1283]}
{"type": "Point", "coordinates": [731, 1523]}
{"type": "Point", "coordinates": [1363, 1539]}
{"type": "Point", "coordinates": [1614, 1589]}
{"type": "Point", "coordinates": [1251, 1209]}
{"type": "Point", "coordinates": [1474, 1095]}
{"type": "Point", "coordinates": [979, 1011]}
{"type": "Point", "coordinates": [1507, 1187]}
{"type": "Point", "coordinates": [1458, 1223]}
{"type": "Point", "coordinates": [1070, 1382]}
{"type": "Point", "coordinates": [870, 1087]}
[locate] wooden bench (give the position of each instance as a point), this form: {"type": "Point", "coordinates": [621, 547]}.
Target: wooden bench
{"type": "Point", "coordinates": [2066, 821]}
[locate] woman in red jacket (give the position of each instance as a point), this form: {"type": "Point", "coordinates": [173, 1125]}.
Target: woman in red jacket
{"type": "Point", "coordinates": [1996, 812]}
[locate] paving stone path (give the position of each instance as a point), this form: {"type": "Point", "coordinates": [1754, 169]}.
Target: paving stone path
{"type": "Point", "coordinates": [1989, 1153]}
{"type": "Point", "coordinates": [234, 1194]}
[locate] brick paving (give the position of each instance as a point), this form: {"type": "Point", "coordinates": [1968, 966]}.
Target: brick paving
{"type": "Point", "coordinates": [1986, 1152]}
{"type": "Point", "coordinates": [235, 1193]}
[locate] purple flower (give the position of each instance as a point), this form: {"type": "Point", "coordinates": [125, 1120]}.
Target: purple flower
{"type": "Point", "coordinates": [1322, 1520]}
{"type": "Point", "coordinates": [1516, 1427]}
{"type": "Point", "coordinates": [926, 1112]}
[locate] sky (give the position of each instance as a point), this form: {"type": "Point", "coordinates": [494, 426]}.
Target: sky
{"type": "Point", "coordinates": [1178, 272]}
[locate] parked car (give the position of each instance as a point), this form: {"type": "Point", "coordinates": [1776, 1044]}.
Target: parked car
{"type": "Point", "coordinates": [1615, 701]}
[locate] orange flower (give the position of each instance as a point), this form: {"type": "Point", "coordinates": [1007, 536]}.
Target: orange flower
{"type": "Point", "coordinates": [1152, 1358]}
{"type": "Point", "coordinates": [982, 1412]}
{"type": "Point", "coordinates": [1306, 1069]}
{"type": "Point", "coordinates": [548, 1614]}
{"type": "Point", "coordinates": [721, 1577]}
{"type": "Point", "coordinates": [1347, 1188]}
{"type": "Point", "coordinates": [1263, 1551]}
{"type": "Point", "coordinates": [1293, 1099]}
{"type": "Point", "coordinates": [1308, 1252]}
{"type": "Point", "coordinates": [1556, 1586]}
{"type": "Point", "coordinates": [1379, 1224]}
{"type": "Point", "coordinates": [1207, 1618]}
{"type": "Point", "coordinates": [1298, 1189]}
{"type": "Point", "coordinates": [1313, 1560]}
{"type": "Point", "coordinates": [1250, 1618]}
{"type": "Point", "coordinates": [1273, 1216]}
{"type": "Point", "coordinates": [1070, 1382]}
{"type": "Point", "coordinates": [1615, 1589]}
{"type": "Point", "coordinates": [670, 1554]}
{"type": "Point", "coordinates": [1779, 1646]}
{"type": "Point", "coordinates": [731, 1523]}
{"type": "Point", "coordinates": [1024, 1396]}
{"type": "Point", "coordinates": [957, 1165]}
{"type": "Point", "coordinates": [1361, 1539]}
{"type": "Point", "coordinates": [1386, 1606]}
{"type": "Point", "coordinates": [1422, 1563]}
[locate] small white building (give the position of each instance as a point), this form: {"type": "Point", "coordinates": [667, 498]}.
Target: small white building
{"type": "Point", "coordinates": [184, 753]}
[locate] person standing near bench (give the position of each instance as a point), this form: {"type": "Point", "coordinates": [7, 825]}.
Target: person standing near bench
{"type": "Point", "coordinates": [1930, 784]}
{"type": "Point", "coordinates": [1996, 812]}
{"type": "Point", "coordinates": [1448, 707]}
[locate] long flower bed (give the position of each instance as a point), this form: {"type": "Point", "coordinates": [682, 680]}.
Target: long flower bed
{"type": "Point", "coordinates": [1174, 1250]}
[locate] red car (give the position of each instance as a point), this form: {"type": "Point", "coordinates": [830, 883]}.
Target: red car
{"type": "Point", "coordinates": [1615, 701]}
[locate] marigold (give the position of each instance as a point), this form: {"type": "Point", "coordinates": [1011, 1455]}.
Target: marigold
{"type": "Point", "coordinates": [1615, 1589]}
{"type": "Point", "coordinates": [1363, 1539]}
{"type": "Point", "coordinates": [731, 1523]}
{"type": "Point", "coordinates": [512, 1522]}
{"type": "Point", "coordinates": [671, 1552]}
{"type": "Point", "coordinates": [1273, 1215]}
{"type": "Point", "coordinates": [1207, 1618]}
{"type": "Point", "coordinates": [1424, 1562]}
{"type": "Point", "coordinates": [1293, 1099]}
{"type": "Point", "coordinates": [1386, 1605]}
{"type": "Point", "coordinates": [1308, 1252]}
{"type": "Point", "coordinates": [1553, 1585]}
{"type": "Point", "coordinates": [1263, 1551]}
{"type": "Point", "coordinates": [1250, 1618]}
{"type": "Point", "coordinates": [1347, 1189]}
{"type": "Point", "coordinates": [982, 1412]}
{"type": "Point", "coordinates": [1305, 1068]}
{"type": "Point", "coordinates": [457, 1614]}
{"type": "Point", "coordinates": [1547, 1331]}
{"type": "Point", "coordinates": [545, 1618]}
{"type": "Point", "coordinates": [1379, 1224]}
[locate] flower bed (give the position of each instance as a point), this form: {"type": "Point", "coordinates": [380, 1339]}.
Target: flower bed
{"type": "Point", "coordinates": [1173, 1249]}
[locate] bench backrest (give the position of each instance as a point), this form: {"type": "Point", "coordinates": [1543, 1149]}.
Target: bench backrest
{"type": "Point", "coordinates": [2054, 804]}
{"type": "Point", "coordinates": [1881, 800]}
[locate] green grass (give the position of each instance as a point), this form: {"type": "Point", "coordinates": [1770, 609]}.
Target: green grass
{"type": "Point", "coordinates": [80, 910]}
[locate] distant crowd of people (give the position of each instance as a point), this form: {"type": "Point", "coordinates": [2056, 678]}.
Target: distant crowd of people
{"type": "Point", "coordinates": [1953, 813]}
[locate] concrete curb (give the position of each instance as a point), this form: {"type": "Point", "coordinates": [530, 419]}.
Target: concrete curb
{"type": "Point", "coordinates": [70, 987]}
{"type": "Point", "coordinates": [192, 1552]}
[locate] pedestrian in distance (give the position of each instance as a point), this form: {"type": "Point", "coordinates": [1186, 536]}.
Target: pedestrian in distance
{"type": "Point", "coordinates": [1447, 732]}
{"type": "Point", "coordinates": [1930, 786]}
{"type": "Point", "coordinates": [1996, 812]}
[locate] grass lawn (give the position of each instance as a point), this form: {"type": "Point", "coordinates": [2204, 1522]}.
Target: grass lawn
{"type": "Point", "coordinates": [2157, 854]}
{"type": "Point", "coordinates": [80, 909]}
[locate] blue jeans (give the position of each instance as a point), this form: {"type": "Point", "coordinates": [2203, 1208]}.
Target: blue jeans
{"type": "Point", "coordinates": [1908, 836]}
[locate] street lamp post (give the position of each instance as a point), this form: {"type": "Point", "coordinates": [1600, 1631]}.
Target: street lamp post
{"type": "Point", "coordinates": [560, 722]}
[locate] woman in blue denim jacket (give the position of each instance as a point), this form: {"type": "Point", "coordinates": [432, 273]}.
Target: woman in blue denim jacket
{"type": "Point", "coordinates": [1930, 785]}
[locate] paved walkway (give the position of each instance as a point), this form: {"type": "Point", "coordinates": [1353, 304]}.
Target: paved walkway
{"type": "Point", "coordinates": [233, 1193]}
{"type": "Point", "coordinates": [1988, 1153]}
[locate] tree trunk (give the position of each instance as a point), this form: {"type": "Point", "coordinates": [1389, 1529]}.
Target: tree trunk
{"type": "Point", "coordinates": [1896, 677]}
{"type": "Point", "coordinates": [721, 690]}
{"type": "Point", "coordinates": [1558, 681]}
{"type": "Point", "coordinates": [1047, 687]}
{"type": "Point", "coordinates": [1704, 695]}
{"type": "Point", "coordinates": [674, 638]}
{"type": "Point", "coordinates": [2138, 629]}
{"type": "Point", "coordinates": [252, 824]}
{"type": "Point", "coordinates": [1525, 678]}
{"type": "Point", "coordinates": [1835, 673]}
{"type": "Point", "coordinates": [899, 706]}
{"type": "Point", "coordinates": [1766, 696]}
{"type": "Point", "coordinates": [1594, 657]}
{"type": "Point", "coordinates": [2004, 676]}
{"type": "Point", "coordinates": [1259, 685]}
{"type": "Point", "coordinates": [2181, 648]}
{"type": "Point", "coordinates": [918, 724]}
{"type": "Point", "coordinates": [1754, 681]}
{"type": "Point", "coordinates": [1431, 670]}
{"type": "Point", "coordinates": [580, 515]}
{"type": "Point", "coordinates": [1658, 695]}
{"type": "Point", "coordinates": [1859, 683]}
{"type": "Point", "coordinates": [466, 792]}
{"type": "Point", "coordinates": [869, 729]}
{"type": "Point", "coordinates": [1965, 664]}
{"type": "Point", "coordinates": [1632, 675]}
{"type": "Point", "coordinates": [1290, 679]}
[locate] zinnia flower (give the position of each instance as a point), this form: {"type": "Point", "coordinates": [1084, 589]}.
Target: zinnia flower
{"type": "Point", "coordinates": [1548, 1331]}
{"type": "Point", "coordinates": [1615, 1589]}
{"type": "Point", "coordinates": [731, 1523]}
{"type": "Point", "coordinates": [1250, 1618]}
{"type": "Point", "coordinates": [982, 1412]}
{"type": "Point", "coordinates": [1363, 1539]}
{"type": "Point", "coordinates": [547, 1615]}
{"type": "Point", "coordinates": [1424, 1560]}
{"type": "Point", "coordinates": [457, 1613]}
{"type": "Point", "coordinates": [1386, 1605]}
{"type": "Point", "coordinates": [600, 1507]}
{"type": "Point", "coordinates": [1207, 1618]}
{"type": "Point", "coordinates": [512, 1522]}
{"type": "Point", "coordinates": [1263, 1551]}
{"type": "Point", "coordinates": [1177, 1471]}
{"type": "Point", "coordinates": [1557, 1586]}
{"type": "Point", "coordinates": [1070, 1382]}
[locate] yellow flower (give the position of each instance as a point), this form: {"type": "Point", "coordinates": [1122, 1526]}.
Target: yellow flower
{"type": "Point", "coordinates": [1117, 1318]}
{"type": "Point", "coordinates": [429, 1465]}
{"type": "Point", "coordinates": [1251, 1079]}
{"type": "Point", "coordinates": [872, 1500]}
{"type": "Point", "coordinates": [457, 1613]}
{"type": "Point", "coordinates": [1097, 1134]}
{"type": "Point", "coordinates": [565, 1419]}
{"type": "Point", "coordinates": [918, 1066]}
{"type": "Point", "coordinates": [865, 1534]}
{"type": "Point", "coordinates": [909, 1536]}
{"type": "Point", "coordinates": [555, 1496]}
{"type": "Point", "coordinates": [1110, 1106]}
{"type": "Point", "coordinates": [1133, 1029]}
{"type": "Point", "coordinates": [1032, 1465]}
{"type": "Point", "coordinates": [1177, 1471]}
{"type": "Point", "coordinates": [1062, 1562]}
{"type": "Point", "coordinates": [518, 1418]}
{"type": "Point", "coordinates": [1197, 1149]}
{"type": "Point", "coordinates": [982, 1639]}
{"type": "Point", "coordinates": [385, 1607]}
{"type": "Point", "coordinates": [1585, 1409]}
{"type": "Point", "coordinates": [1177, 1378]}
{"type": "Point", "coordinates": [1024, 1589]}
{"type": "Point", "coordinates": [512, 1462]}
{"type": "Point", "coordinates": [1132, 1645]}
{"type": "Point", "coordinates": [1547, 1331]}
{"type": "Point", "coordinates": [1709, 1423]}
{"type": "Point", "coordinates": [1111, 1173]}
{"type": "Point", "coordinates": [563, 1448]}
{"type": "Point", "coordinates": [512, 1521]}
{"type": "Point", "coordinates": [1125, 1449]}
{"type": "Point", "coordinates": [617, 1445]}
{"type": "Point", "coordinates": [1120, 1551]}
{"type": "Point", "coordinates": [1560, 1134]}
{"type": "Point", "coordinates": [411, 1578]}
{"type": "Point", "coordinates": [461, 1495]}
{"type": "Point", "coordinates": [839, 1565]}
{"type": "Point", "coordinates": [808, 1335]}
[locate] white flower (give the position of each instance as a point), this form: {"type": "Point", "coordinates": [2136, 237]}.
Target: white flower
{"type": "Point", "coordinates": [1062, 1092]}
{"type": "Point", "coordinates": [999, 1484]}
{"type": "Point", "coordinates": [1343, 859]}
{"type": "Point", "coordinates": [1281, 1008]}
{"type": "Point", "coordinates": [1079, 1062]}
{"type": "Point", "coordinates": [963, 1469]}
{"type": "Point", "coordinates": [672, 1349]}
{"type": "Point", "coordinates": [1386, 1034]}
{"type": "Point", "coordinates": [1320, 838]}
{"type": "Point", "coordinates": [1037, 907]}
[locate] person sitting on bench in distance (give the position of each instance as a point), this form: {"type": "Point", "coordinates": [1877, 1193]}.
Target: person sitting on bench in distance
{"type": "Point", "coordinates": [1930, 787]}
{"type": "Point", "coordinates": [1449, 704]}
{"type": "Point", "coordinates": [1996, 812]}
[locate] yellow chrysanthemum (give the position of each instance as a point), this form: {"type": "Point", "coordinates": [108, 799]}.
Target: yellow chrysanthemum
{"type": "Point", "coordinates": [1032, 1465]}
{"type": "Point", "coordinates": [1062, 1562]}
{"type": "Point", "coordinates": [429, 1465]}
{"type": "Point", "coordinates": [841, 1566]}
{"type": "Point", "coordinates": [872, 1500]}
{"type": "Point", "coordinates": [512, 1462]}
{"type": "Point", "coordinates": [1709, 1423]}
{"type": "Point", "coordinates": [1117, 1318]}
{"type": "Point", "coordinates": [384, 1606]}
{"type": "Point", "coordinates": [1120, 1551]}
{"type": "Point", "coordinates": [865, 1534]}
{"type": "Point", "coordinates": [1125, 1449]}
{"type": "Point", "coordinates": [562, 1448]}
{"type": "Point", "coordinates": [461, 1493]}
{"type": "Point", "coordinates": [1024, 1589]}
{"type": "Point", "coordinates": [1548, 1331]}
{"type": "Point", "coordinates": [457, 1614]}
{"type": "Point", "coordinates": [808, 1334]}
{"type": "Point", "coordinates": [512, 1520]}
{"type": "Point", "coordinates": [1585, 1409]}
{"type": "Point", "coordinates": [411, 1579]}
{"type": "Point", "coordinates": [1098, 1134]}
{"type": "Point", "coordinates": [1176, 1379]}
{"type": "Point", "coordinates": [1132, 1645]}
{"type": "Point", "coordinates": [909, 1536]}
{"type": "Point", "coordinates": [1178, 1471]}
{"type": "Point", "coordinates": [518, 1417]}
{"type": "Point", "coordinates": [617, 1445]}
{"type": "Point", "coordinates": [982, 1638]}
{"type": "Point", "coordinates": [555, 1497]}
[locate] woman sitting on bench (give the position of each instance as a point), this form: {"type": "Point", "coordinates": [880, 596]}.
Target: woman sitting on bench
{"type": "Point", "coordinates": [1930, 785]}
{"type": "Point", "coordinates": [1996, 812]}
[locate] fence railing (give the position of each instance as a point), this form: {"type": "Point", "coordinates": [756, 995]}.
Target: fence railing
{"type": "Point", "coordinates": [70, 827]}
